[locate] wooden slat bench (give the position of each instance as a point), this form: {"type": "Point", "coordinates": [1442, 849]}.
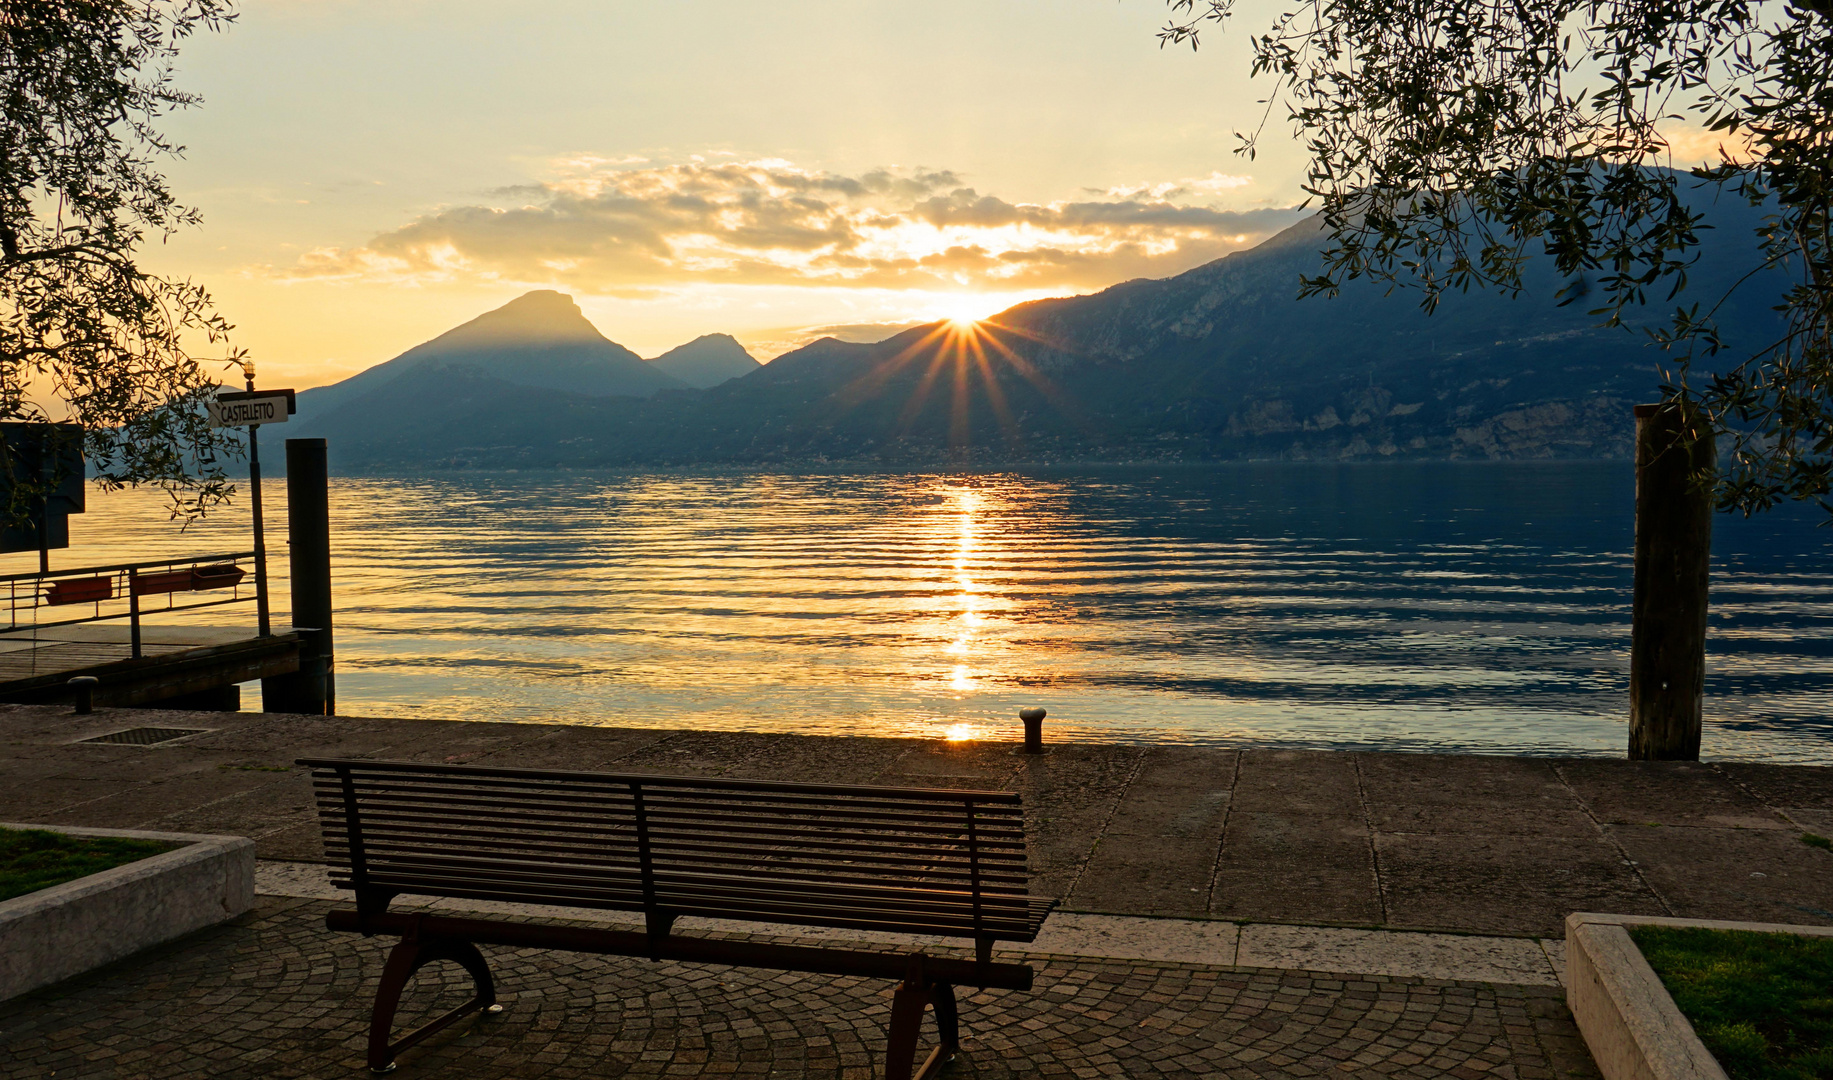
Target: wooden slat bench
{"type": "Point", "coordinates": [948, 863]}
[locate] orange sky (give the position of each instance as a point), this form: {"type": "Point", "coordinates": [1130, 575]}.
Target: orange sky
{"type": "Point", "coordinates": [373, 174]}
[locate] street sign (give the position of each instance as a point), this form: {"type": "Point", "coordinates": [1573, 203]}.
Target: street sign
{"type": "Point", "coordinates": [41, 478]}
{"type": "Point", "coordinates": [241, 408]}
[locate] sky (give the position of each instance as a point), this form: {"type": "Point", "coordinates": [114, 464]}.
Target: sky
{"type": "Point", "coordinates": [372, 173]}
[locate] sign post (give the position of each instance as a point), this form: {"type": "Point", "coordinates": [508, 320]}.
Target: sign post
{"type": "Point", "coordinates": [252, 408]}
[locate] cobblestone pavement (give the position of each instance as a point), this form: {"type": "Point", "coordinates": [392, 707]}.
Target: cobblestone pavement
{"type": "Point", "coordinates": [274, 994]}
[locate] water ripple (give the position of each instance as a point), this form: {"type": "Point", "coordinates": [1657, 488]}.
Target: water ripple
{"type": "Point", "coordinates": [1445, 607]}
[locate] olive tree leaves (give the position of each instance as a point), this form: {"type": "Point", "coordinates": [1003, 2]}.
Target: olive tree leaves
{"type": "Point", "coordinates": [83, 329]}
{"type": "Point", "coordinates": [1449, 141]}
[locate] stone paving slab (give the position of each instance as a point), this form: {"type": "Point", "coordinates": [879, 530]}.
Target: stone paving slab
{"type": "Point", "coordinates": [1464, 957]}
{"type": "Point", "coordinates": [1386, 952]}
{"type": "Point", "coordinates": [274, 994]}
{"type": "Point", "coordinates": [1781, 785]}
{"type": "Point", "coordinates": [1425, 842]}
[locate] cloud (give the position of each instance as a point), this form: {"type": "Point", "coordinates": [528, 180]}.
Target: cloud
{"type": "Point", "coordinates": [1214, 183]}
{"type": "Point", "coordinates": [625, 226]}
{"type": "Point", "coordinates": [770, 342]}
{"type": "Point", "coordinates": [1688, 146]}
{"type": "Point", "coordinates": [864, 333]}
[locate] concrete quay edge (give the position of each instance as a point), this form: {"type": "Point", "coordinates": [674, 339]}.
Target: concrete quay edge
{"type": "Point", "coordinates": [1361, 840]}
{"type": "Point", "coordinates": [66, 930]}
{"type": "Point", "coordinates": [1628, 1019]}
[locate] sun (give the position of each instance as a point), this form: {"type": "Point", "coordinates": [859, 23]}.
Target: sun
{"type": "Point", "coordinates": [963, 311]}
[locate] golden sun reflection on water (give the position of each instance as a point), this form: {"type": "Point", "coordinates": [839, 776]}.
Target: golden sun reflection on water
{"type": "Point", "coordinates": [1289, 606]}
{"type": "Point", "coordinates": [966, 502]}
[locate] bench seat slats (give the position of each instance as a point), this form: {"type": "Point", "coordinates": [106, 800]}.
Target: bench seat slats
{"type": "Point", "coordinates": [848, 920]}
{"type": "Point", "coordinates": [682, 882]}
{"type": "Point", "coordinates": [484, 774]}
{"type": "Point", "coordinates": [606, 787]}
{"type": "Point", "coordinates": [1015, 927]}
{"type": "Point", "coordinates": [995, 840]}
{"type": "Point", "coordinates": [523, 835]}
{"type": "Point", "coordinates": [830, 838]}
{"type": "Point", "coordinates": [609, 787]}
{"type": "Point", "coordinates": [685, 890]}
{"type": "Point", "coordinates": [379, 869]}
{"type": "Point", "coordinates": [411, 824]}
{"type": "Point", "coordinates": [683, 845]}
{"type": "Point", "coordinates": [694, 848]}
{"type": "Point", "coordinates": [1005, 828]}
{"type": "Point", "coordinates": [688, 850]}
{"type": "Point", "coordinates": [381, 857]}
{"type": "Point", "coordinates": [762, 868]}
{"type": "Point", "coordinates": [915, 860]}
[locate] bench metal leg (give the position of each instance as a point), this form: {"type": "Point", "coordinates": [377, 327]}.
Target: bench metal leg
{"type": "Point", "coordinates": [948, 1023]}
{"type": "Point", "coordinates": [412, 954]}
{"type": "Point", "coordinates": [907, 1007]}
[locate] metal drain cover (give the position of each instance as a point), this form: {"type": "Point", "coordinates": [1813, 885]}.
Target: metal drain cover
{"type": "Point", "coordinates": [146, 736]}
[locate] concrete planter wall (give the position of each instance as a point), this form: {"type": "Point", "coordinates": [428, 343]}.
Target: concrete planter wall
{"type": "Point", "coordinates": [1634, 1029]}
{"type": "Point", "coordinates": [68, 929]}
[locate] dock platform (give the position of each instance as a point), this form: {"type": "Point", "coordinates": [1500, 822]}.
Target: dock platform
{"type": "Point", "coordinates": [180, 665]}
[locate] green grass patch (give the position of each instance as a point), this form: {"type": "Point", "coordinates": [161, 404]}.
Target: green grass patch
{"type": "Point", "coordinates": [34, 859]}
{"type": "Point", "coordinates": [1762, 1003]}
{"type": "Point", "coordinates": [1813, 840]}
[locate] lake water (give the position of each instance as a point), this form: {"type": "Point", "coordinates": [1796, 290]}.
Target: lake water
{"type": "Point", "coordinates": [1396, 606]}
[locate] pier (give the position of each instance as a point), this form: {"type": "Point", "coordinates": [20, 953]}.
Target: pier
{"type": "Point", "coordinates": [94, 622]}
{"type": "Point", "coordinates": [135, 628]}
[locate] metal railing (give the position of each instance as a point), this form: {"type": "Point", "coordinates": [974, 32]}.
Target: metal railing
{"type": "Point", "coordinates": [128, 590]}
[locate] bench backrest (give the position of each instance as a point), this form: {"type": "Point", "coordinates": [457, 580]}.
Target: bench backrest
{"type": "Point", "coordinates": [878, 858]}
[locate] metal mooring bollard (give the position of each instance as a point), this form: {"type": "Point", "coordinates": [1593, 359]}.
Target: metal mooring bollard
{"type": "Point", "coordinates": [1034, 729]}
{"type": "Point", "coordinates": [85, 692]}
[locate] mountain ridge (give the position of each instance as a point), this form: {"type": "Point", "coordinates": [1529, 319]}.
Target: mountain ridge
{"type": "Point", "coordinates": [1222, 362]}
{"type": "Point", "coordinates": [540, 339]}
{"type": "Point", "coordinates": [707, 361]}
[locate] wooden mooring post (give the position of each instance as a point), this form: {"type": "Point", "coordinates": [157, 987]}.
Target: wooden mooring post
{"type": "Point", "coordinates": [1667, 649]}
{"type": "Point", "coordinates": [313, 689]}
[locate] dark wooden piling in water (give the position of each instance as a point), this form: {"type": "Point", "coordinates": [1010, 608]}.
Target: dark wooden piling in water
{"type": "Point", "coordinates": [313, 689]}
{"type": "Point", "coordinates": [1667, 652]}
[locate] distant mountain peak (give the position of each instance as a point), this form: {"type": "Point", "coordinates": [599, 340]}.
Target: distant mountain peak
{"type": "Point", "coordinates": [539, 341]}
{"type": "Point", "coordinates": [707, 361]}
{"type": "Point", "coordinates": [542, 316]}
{"type": "Point", "coordinates": [548, 299]}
